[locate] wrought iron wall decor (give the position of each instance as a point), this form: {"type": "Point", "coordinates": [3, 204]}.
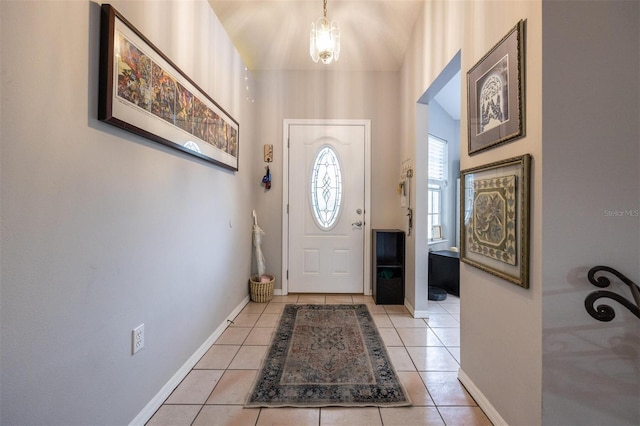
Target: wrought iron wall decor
{"type": "Point", "coordinates": [605, 312]}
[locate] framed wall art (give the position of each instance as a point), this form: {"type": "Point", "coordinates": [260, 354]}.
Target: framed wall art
{"type": "Point", "coordinates": [494, 218]}
{"type": "Point", "coordinates": [495, 90]}
{"type": "Point", "coordinates": [143, 92]}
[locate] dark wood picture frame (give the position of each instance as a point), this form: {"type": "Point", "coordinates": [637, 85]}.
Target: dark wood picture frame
{"type": "Point", "coordinates": [496, 93]}
{"type": "Point", "coordinates": [142, 91]}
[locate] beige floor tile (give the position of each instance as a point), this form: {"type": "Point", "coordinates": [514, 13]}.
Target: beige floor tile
{"type": "Point", "coordinates": [268, 320]}
{"type": "Point", "coordinates": [339, 299]}
{"type": "Point", "coordinates": [471, 416]}
{"type": "Point", "coordinates": [435, 308]}
{"type": "Point", "coordinates": [289, 298]}
{"type": "Point", "coordinates": [445, 389]}
{"type": "Point", "coordinates": [395, 309]}
{"type": "Point", "coordinates": [448, 336]}
{"type": "Point", "coordinates": [249, 358]}
{"type": "Point", "coordinates": [375, 309]}
{"type": "Point", "coordinates": [311, 299]}
{"type": "Point", "coordinates": [400, 359]}
{"type": "Point", "coordinates": [274, 308]}
{"type": "Point", "coordinates": [245, 320]}
{"type": "Point", "coordinates": [382, 320]}
{"type": "Point", "coordinates": [451, 299]}
{"type": "Point", "coordinates": [442, 320]}
{"type": "Point", "coordinates": [360, 298]}
{"type": "Point", "coordinates": [253, 308]}
{"type": "Point", "coordinates": [415, 387]}
{"type": "Point", "coordinates": [260, 336]}
{"type": "Point", "coordinates": [390, 337]}
{"type": "Point", "coordinates": [227, 415]}
{"type": "Point", "coordinates": [369, 416]}
{"type": "Point", "coordinates": [407, 321]}
{"type": "Point", "coordinates": [452, 308]}
{"type": "Point", "coordinates": [232, 388]}
{"type": "Point", "coordinates": [233, 336]}
{"type": "Point", "coordinates": [218, 357]}
{"type": "Point", "coordinates": [455, 352]}
{"type": "Point", "coordinates": [288, 416]}
{"type": "Point", "coordinates": [432, 358]}
{"type": "Point", "coordinates": [196, 387]}
{"type": "Point", "coordinates": [414, 416]}
{"type": "Point", "coordinates": [418, 337]}
{"type": "Point", "coordinates": [174, 415]}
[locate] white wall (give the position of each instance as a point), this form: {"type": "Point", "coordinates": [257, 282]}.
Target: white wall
{"type": "Point", "coordinates": [103, 230]}
{"type": "Point", "coordinates": [500, 322]}
{"type": "Point", "coordinates": [329, 95]}
{"type": "Point", "coordinates": [591, 138]}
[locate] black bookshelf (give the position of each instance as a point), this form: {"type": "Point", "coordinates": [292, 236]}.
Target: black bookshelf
{"type": "Point", "coordinates": [388, 266]}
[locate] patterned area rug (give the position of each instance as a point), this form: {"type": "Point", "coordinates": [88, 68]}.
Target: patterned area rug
{"type": "Point", "coordinates": [327, 355]}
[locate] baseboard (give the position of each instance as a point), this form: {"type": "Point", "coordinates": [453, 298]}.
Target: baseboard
{"type": "Point", "coordinates": [482, 400]}
{"type": "Point", "coordinates": [413, 312]}
{"type": "Point", "coordinates": [149, 410]}
{"type": "Point", "coordinates": [277, 292]}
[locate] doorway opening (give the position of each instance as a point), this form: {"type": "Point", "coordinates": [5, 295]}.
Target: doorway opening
{"type": "Point", "coordinates": [441, 140]}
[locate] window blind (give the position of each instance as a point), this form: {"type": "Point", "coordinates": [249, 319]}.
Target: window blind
{"type": "Point", "coordinates": [438, 159]}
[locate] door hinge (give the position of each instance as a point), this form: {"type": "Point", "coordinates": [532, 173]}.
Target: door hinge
{"type": "Point", "coordinates": [287, 208]}
{"type": "Point", "coordinates": [287, 274]}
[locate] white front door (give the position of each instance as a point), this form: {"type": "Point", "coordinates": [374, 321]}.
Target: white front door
{"type": "Point", "coordinates": [326, 197]}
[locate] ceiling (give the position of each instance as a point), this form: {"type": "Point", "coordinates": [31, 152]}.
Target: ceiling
{"type": "Point", "coordinates": [274, 34]}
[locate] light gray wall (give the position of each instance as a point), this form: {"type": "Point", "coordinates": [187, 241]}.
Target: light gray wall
{"type": "Point", "coordinates": [500, 330]}
{"type": "Point", "coordinates": [329, 95]}
{"type": "Point", "coordinates": [591, 138]}
{"type": "Point", "coordinates": [103, 230]}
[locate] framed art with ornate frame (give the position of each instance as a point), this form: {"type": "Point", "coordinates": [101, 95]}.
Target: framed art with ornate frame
{"type": "Point", "coordinates": [494, 216]}
{"type": "Point", "coordinates": [142, 91]}
{"type": "Point", "coordinates": [495, 93]}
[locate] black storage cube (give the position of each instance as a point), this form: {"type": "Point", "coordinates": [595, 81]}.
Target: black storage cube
{"type": "Point", "coordinates": [388, 267]}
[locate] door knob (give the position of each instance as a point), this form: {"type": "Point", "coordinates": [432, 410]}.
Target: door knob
{"type": "Point", "coordinates": [357, 224]}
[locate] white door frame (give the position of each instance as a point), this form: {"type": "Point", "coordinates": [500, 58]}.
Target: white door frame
{"type": "Point", "coordinates": [367, 194]}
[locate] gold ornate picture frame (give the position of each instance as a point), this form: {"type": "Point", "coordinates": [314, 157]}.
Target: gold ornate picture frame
{"type": "Point", "coordinates": [494, 216]}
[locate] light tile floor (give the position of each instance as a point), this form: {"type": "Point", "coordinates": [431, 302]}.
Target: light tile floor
{"type": "Point", "coordinates": [425, 353]}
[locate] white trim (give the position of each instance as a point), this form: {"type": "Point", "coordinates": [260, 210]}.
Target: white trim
{"type": "Point", "coordinates": [286, 123]}
{"type": "Point", "coordinates": [413, 312]}
{"type": "Point", "coordinates": [482, 400]}
{"type": "Point", "coordinates": [149, 410]}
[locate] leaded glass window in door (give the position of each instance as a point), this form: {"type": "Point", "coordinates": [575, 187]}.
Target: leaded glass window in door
{"type": "Point", "coordinates": [326, 188]}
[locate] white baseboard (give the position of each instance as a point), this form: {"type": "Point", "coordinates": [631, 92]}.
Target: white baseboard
{"type": "Point", "coordinates": [482, 400]}
{"type": "Point", "coordinates": [413, 312]}
{"type": "Point", "coordinates": [153, 405]}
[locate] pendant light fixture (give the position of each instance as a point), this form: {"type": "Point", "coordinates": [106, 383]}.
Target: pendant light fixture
{"type": "Point", "coordinates": [324, 43]}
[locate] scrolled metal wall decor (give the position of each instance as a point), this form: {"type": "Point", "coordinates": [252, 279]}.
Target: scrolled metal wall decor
{"type": "Point", "coordinates": [605, 312]}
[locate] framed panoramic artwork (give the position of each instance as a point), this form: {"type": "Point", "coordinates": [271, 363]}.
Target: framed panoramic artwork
{"type": "Point", "coordinates": [143, 92]}
{"type": "Point", "coordinates": [494, 216]}
{"type": "Point", "coordinates": [495, 90]}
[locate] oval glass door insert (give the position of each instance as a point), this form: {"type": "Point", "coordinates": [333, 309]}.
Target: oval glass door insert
{"type": "Point", "coordinates": [326, 188]}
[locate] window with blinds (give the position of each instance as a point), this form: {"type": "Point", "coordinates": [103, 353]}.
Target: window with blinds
{"type": "Point", "coordinates": [438, 172]}
{"type": "Point", "coordinates": [438, 160]}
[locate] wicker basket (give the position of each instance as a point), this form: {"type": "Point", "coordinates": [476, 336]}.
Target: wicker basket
{"type": "Point", "coordinates": [261, 292]}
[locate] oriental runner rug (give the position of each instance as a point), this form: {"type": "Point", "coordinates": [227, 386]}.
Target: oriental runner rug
{"type": "Point", "coordinates": [327, 355]}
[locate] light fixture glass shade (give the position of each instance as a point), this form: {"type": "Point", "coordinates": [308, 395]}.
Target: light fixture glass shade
{"type": "Point", "coordinates": [324, 42]}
